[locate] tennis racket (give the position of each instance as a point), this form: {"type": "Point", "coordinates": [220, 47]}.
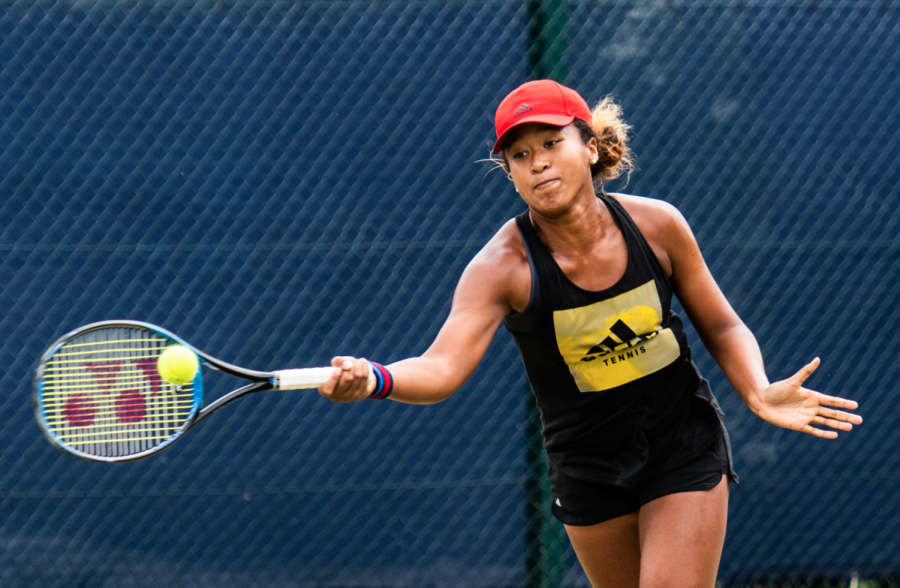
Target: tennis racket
{"type": "Point", "coordinates": [100, 397]}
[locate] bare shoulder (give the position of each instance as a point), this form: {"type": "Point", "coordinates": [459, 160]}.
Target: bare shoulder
{"type": "Point", "coordinates": [500, 270]}
{"type": "Point", "coordinates": [505, 245]}
{"type": "Point", "coordinates": [662, 225]}
{"type": "Point", "coordinates": [652, 216]}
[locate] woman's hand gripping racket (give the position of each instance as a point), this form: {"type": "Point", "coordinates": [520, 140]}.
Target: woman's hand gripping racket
{"type": "Point", "coordinates": [100, 395]}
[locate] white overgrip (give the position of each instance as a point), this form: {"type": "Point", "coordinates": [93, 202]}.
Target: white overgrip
{"type": "Point", "coordinates": [305, 378]}
{"type": "Point", "coordinates": [301, 379]}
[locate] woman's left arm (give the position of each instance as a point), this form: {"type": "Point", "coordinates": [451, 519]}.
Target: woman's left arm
{"type": "Point", "coordinates": [785, 403]}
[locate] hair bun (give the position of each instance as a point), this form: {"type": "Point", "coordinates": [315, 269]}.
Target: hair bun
{"type": "Point", "coordinates": [611, 132]}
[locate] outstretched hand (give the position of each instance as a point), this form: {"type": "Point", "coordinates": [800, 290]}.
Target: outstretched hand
{"type": "Point", "coordinates": [788, 404]}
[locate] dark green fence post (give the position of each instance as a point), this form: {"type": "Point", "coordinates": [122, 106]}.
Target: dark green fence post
{"type": "Point", "coordinates": [545, 537]}
{"type": "Point", "coordinates": [547, 39]}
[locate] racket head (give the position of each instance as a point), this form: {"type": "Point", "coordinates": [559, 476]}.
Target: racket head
{"type": "Point", "coordinates": [99, 395]}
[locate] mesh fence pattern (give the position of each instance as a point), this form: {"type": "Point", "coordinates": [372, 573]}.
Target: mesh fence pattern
{"type": "Point", "coordinates": [279, 182]}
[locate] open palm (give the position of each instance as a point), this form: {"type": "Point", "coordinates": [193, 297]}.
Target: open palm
{"type": "Point", "coordinates": [788, 404]}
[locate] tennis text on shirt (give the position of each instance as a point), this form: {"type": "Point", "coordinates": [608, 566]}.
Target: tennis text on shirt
{"type": "Point", "coordinates": [615, 341]}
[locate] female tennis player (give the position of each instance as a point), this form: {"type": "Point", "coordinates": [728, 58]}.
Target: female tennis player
{"type": "Point", "coordinates": [639, 458]}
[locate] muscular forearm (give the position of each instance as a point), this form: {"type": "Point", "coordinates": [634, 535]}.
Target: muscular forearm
{"type": "Point", "coordinates": [424, 380]}
{"type": "Point", "coordinates": [449, 362]}
{"type": "Point", "coordinates": [479, 306]}
{"type": "Point", "coordinates": [736, 351]}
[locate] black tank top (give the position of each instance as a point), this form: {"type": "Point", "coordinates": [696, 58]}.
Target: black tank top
{"type": "Point", "coordinates": [619, 395]}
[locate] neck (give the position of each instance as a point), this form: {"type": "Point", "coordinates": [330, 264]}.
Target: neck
{"type": "Point", "coordinates": [580, 226]}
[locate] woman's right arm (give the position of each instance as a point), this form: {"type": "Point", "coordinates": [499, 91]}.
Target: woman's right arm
{"type": "Point", "coordinates": [483, 297]}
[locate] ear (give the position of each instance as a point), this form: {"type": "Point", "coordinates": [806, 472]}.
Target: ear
{"type": "Point", "coordinates": [593, 150]}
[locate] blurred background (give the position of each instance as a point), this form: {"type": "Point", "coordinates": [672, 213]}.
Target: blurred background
{"type": "Point", "coordinates": [278, 182]}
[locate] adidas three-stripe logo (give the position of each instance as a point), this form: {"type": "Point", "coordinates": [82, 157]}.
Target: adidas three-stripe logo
{"type": "Point", "coordinates": [522, 110]}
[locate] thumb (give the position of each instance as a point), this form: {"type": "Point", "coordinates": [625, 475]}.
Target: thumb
{"type": "Point", "coordinates": [342, 362]}
{"type": "Point", "coordinates": [806, 371]}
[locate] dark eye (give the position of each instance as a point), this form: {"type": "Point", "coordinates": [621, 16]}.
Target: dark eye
{"type": "Point", "coordinates": [518, 155]}
{"type": "Point", "coordinates": [552, 143]}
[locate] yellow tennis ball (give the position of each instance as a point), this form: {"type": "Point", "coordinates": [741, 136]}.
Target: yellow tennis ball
{"type": "Point", "coordinates": [177, 365]}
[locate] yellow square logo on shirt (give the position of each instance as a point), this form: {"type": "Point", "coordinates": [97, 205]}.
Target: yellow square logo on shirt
{"type": "Point", "coordinates": [615, 341]}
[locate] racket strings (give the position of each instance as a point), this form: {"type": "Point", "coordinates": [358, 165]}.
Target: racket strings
{"type": "Point", "coordinates": [66, 384]}
{"type": "Point", "coordinates": [101, 393]}
{"type": "Point", "coordinates": [82, 357]}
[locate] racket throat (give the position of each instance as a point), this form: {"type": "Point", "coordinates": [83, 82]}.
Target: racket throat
{"type": "Point", "coordinates": [231, 396]}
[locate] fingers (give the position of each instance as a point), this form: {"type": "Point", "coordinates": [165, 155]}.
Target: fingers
{"type": "Point", "coordinates": [349, 382]}
{"type": "Point", "coordinates": [835, 419]}
{"type": "Point", "coordinates": [838, 402]}
{"type": "Point", "coordinates": [327, 389]}
{"type": "Point", "coordinates": [826, 417]}
{"type": "Point", "coordinates": [840, 415]}
{"type": "Point", "coordinates": [834, 424]}
{"type": "Point", "coordinates": [819, 432]}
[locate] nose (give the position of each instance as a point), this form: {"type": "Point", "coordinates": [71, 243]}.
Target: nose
{"type": "Point", "coordinates": [540, 162]}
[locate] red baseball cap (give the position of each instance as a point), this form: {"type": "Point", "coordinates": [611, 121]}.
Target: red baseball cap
{"type": "Point", "coordinates": [541, 101]}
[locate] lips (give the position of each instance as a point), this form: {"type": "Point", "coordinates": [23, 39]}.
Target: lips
{"type": "Point", "coordinates": [545, 184]}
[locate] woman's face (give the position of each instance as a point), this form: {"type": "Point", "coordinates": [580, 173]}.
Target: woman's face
{"type": "Point", "coordinates": [550, 166]}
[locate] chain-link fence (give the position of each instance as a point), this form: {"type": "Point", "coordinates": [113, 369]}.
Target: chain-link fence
{"type": "Point", "coordinates": [278, 182]}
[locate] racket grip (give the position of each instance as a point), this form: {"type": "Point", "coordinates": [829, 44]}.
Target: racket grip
{"type": "Point", "coordinates": [306, 378]}
{"type": "Point", "coordinates": [301, 378]}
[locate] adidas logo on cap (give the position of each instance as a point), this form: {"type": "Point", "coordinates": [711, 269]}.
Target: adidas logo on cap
{"type": "Point", "coordinates": [522, 110]}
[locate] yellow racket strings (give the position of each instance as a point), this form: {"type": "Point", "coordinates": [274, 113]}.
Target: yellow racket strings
{"type": "Point", "coordinates": [102, 395]}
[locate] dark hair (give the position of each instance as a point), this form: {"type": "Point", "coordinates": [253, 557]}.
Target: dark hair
{"type": "Point", "coordinates": [611, 133]}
